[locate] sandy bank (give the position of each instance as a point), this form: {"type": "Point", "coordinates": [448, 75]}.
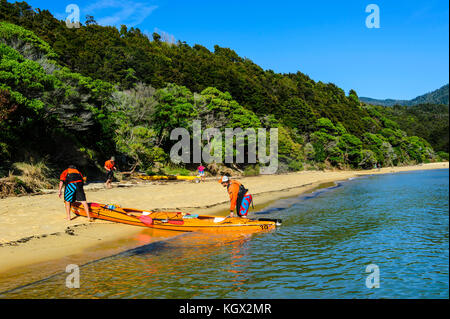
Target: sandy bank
{"type": "Point", "coordinates": [33, 228]}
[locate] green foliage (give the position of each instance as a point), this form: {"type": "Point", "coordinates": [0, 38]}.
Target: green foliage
{"type": "Point", "coordinates": [443, 155]}
{"type": "Point", "coordinates": [418, 149]}
{"type": "Point", "coordinates": [296, 113]}
{"type": "Point", "coordinates": [368, 159]}
{"type": "Point", "coordinates": [295, 165]}
{"type": "Point", "coordinates": [41, 101]}
{"type": "Point", "coordinates": [374, 142]}
{"type": "Point", "coordinates": [289, 151]}
{"type": "Point", "coordinates": [176, 170]}
{"type": "Point", "coordinates": [251, 170]}
{"type": "Point", "coordinates": [370, 124]}
{"type": "Point", "coordinates": [11, 33]}
{"type": "Point", "coordinates": [106, 90]}
{"type": "Point", "coordinates": [439, 96]}
{"type": "Point", "coordinates": [341, 130]}
{"type": "Point", "coordinates": [353, 96]}
{"type": "Point", "coordinates": [429, 121]}
{"type": "Point", "coordinates": [326, 126]}
{"type": "Point", "coordinates": [174, 109]}
{"type": "Point", "coordinates": [26, 79]}
{"type": "Point", "coordinates": [351, 147]}
{"type": "Point", "coordinates": [322, 143]}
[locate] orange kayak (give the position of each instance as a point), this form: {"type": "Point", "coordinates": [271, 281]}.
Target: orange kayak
{"type": "Point", "coordinates": [168, 177]}
{"type": "Point", "coordinates": [177, 221]}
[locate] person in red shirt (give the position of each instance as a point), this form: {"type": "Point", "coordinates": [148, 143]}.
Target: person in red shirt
{"type": "Point", "coordinates": [73, 190]}
{"type": "Point", "coordinates": [201, 172]}
{"type": "Point", "coordinates": [110, 167]}
{"type": "Point", "coordinates": [240, 199]}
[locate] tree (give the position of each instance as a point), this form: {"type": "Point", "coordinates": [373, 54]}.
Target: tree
{"type": "Point", "coordinates": [90, 20]}
{"type": "Point", "coordinates": [174, 109]}
{"type": "Point", "coordinates": [351, 147]}
{"type": "Point", "coordinates": [156, 37]}
{"type": "Point", "coordinates": [353, 96]}
{"type": "Point", "coordinates": [296, 113]}
{"type": "Point", "coordinates": [368, 159]}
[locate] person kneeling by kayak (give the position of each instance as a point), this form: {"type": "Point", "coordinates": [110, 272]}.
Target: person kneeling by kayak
{"type": "Point", "coordinates": [73, 191]}
{"type": "Point", "coordinates": [239, 197]}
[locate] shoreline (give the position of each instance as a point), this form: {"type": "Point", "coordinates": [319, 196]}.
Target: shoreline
{"type": "Point", "coordinates": [34, 234]}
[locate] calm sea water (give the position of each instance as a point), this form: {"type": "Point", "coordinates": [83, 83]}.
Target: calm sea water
{"type": "Point", "coordinates": [398, 222]}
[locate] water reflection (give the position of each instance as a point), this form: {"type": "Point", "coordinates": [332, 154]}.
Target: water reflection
{"type": "Point", "coordinates": [399, 222]}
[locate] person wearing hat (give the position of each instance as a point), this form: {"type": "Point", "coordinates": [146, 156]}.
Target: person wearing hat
{"type": "Point", "coordinates": [110, 167]}
{"type": "Point", "coordinates": [240, 199]}
{"type": "Point", "coordinates": [73, 190]}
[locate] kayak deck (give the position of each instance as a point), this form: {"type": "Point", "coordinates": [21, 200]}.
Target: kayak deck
{"type": "Point", "coordinates": [177, 221]}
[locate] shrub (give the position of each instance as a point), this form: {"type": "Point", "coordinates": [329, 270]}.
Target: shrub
{"type": "Point", "coordinates": [295, 166]}
{"type": "Point", "coordinates": [35, 176]}
{"type": "Point", "coordinates": [12, 186]}
{"type": "Point", "coordinates": [251, 170]}
{"type": "Point", "coordinates": [443, 155]}
{"type": "Point", "coordinates": [175, 170]}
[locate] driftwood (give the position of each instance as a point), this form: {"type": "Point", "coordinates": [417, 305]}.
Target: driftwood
{"type": "Point", "coordinates": [132, 169]}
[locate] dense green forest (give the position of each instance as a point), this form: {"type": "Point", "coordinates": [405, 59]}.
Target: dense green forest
{"type": "Point", "coordinates": [430, 121]}
{"type": "Point", "coordinates": [81, 95]}
{"type": "Point", "coordinates": [439, 96]}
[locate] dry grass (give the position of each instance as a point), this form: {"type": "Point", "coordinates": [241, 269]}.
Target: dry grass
{"type": "Point", "coordinates": [12, 186]}
{"type": "Point", "coordinates": [30, 178]}
{"type": "Point", "coordinates": [35, 175]}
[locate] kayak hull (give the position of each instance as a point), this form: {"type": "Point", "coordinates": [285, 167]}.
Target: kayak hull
{"type": "Point", "coordinates": [175, 221]}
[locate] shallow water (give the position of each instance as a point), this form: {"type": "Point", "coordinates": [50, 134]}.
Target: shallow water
{"type": "Point", "coordinates": [398, 222]}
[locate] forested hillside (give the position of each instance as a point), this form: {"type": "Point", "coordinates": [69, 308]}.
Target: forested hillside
{"type": "Point", "coordinates": [80, 95]}
{"type": "Point", "coordinates": [430, 121]}
{"type": "Point", "coordinates": [439, 96]}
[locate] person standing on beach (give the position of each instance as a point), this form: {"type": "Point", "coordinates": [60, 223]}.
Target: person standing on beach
{"type": "Point", "coordinates": [201, 172]}
{"type": "Point", "coordinates": [240, 199]}
{"type": "Point", "coordinates": [110, 167]}
{"type": "Point", "coordinates": [73, 190]}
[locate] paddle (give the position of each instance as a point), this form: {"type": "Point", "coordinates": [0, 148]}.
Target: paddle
{"type": "Point", "coordinates": [147, 220]}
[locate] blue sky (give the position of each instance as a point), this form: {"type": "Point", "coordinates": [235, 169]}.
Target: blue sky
{"type": "Point", "coordinates": [328, 40]}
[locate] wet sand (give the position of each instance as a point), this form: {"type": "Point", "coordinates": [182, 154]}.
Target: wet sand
{"type": "Point", "coordinates": [33, 229]}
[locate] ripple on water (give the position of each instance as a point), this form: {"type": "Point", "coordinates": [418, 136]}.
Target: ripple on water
{"type": "Point", "coordinates": [398, 222]}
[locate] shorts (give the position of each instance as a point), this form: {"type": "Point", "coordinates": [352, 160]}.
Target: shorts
{"type": "Point", "coordinates": [110, 175]}
{"type": "Point", "coordinates": [245, 205]}
{"type": "Point", "coordinates": [202, 173]}
{"type": "Point", "coordinates": [74, 192]}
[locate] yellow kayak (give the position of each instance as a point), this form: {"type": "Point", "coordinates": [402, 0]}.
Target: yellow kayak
{"type": "Point", "coordinates": [177, 221]}
{"type": "Point", "coordinates": [167, 177]}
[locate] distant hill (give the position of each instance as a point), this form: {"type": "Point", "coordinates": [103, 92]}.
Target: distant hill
{"type": "Point", "coordinates": [439, 96]}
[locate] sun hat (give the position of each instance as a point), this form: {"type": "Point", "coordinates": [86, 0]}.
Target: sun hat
{"type": "Point", "coordinates": [224, 179]}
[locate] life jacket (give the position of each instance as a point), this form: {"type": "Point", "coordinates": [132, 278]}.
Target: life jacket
{"type": "Point", "coordinates": [240, 197]}
{"type": "Point", "coordinates": [70, 176]}
{"type": "Point", "coordinates": [240, 194]}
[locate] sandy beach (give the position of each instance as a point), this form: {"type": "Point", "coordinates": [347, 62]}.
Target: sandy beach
{"type": "Point", "coordinates": [33, 229]}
